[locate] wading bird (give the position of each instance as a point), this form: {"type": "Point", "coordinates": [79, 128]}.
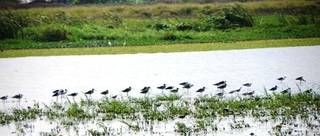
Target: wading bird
{"type": "Point", "coordinates": [222, 86]}
{"type": "Point", "coordinates": [18, 96]}
{"type": "Point", "coordinates": [56, 94]}
{"type": "Point", "coordinates": [182, 116]}
{"type": "Point", "coordinates": [286, 90]}
{"type": "Point", "coordinates": [183, 83]}
{"type": "Point", "coordinates": [3, 98]}
{"type": "Point", "coordinates": [175, 90]}
{"type": "Point", "coordinates": [59, 92]}
{"type": "Point", "coordinates": [169, 87]}
{"type": "Point", "coordinates": [114, 97]}
{"type": "Point", "coordinates": [238, 90]}
{"type": "Point", "coordinates": [158, 104]}
{"type": "Point", "coordinates": [233, 91]}
{"type": "Point", "coordinates": [105, 93]}
{"type": "Point", "coordinates": [127, 90]}
{"type": "Point", "coordinates": [220, 94]}
{"type": "Point", "coordinates": [63, 92]}
{"type": "Point", "coordinates": [145, 90]}
{"type": "Point", "coordinates": [247, 84]}
{"type": "Point", "coordinates": [220, 83]}
{"type": "Point", "coordinates": [187, 86]}
{"type": "Point", "coordinates": [162, 87]}
{"type": "Point", "coordinates": [90, 92]}
{"type": "Point", "coordinates": [73, 95]}
{"type": "Point", "coordinates": [201, 90]}
{"type": "Point", "coordinates": [308, 91]}
{"type": "Point", "coordinates": [251, 93]}
{"type": "Point", "coordinates": [281, 78]}
{"type": "Point", "coordinates": [300, 79]}
{"type": "Point", "coordinates": [273, 88]}
{"type": "Point", "coordinates": [248, 93]}
{"type": "Point", "coordinates": [56, 91]}
{"type": "Point", "coordinates": [109, 43]}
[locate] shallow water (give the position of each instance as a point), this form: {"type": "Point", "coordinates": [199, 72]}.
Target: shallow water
{"type": "Point", "coordinates": [37, 77]}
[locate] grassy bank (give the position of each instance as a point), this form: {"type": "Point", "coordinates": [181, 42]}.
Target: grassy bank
{"type": "Point", "coordinates": [162, 48]}
{"type": "Point", "coordinates": [95, 25]}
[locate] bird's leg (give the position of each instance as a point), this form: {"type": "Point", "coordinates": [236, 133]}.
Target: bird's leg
{"type": "Point", "coordinates": [19, 104]}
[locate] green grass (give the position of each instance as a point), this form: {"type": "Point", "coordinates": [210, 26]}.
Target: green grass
{"type": "Point", "coordinates": [162, 48]}
{"type": "Point", "coordinates": [202, 112]}
{"type": "Point", "coordinates": [159, 24]}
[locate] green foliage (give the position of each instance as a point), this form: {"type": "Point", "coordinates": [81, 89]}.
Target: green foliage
{"type": "Point", "coordinates": [134, 127]}
{"type": "Point", "coordinates": [183, 27]}
{"type": "Point", "coordinates": [117, 107]}
{"type": "Point", "coordinates": [170, 97]}
{"type": "Point", "coordinates": [231, 17]}
{"type": "Point", "coordinates": [174, 110]}
{"type": "Point", "coordinates": [155, 115]}
{"type": "Point", "coordinates": [98, 133]}
{"type": "Point", "coordinates": [161, 26]}
{"type": "Point", "coordinates": [182, 128]}
{"type": "Point", "coordinates": [203, 113]}
{"type": "Point", "coordinates": [166, 24]}
{"type": "Point", "coordinates": [53, 34]}
{"type": "Point", "coordinates": [11, 23]}
{"type": "Point", "coordinates": [170, 36]}
{"type": "Point", "coordinates": [115, 18]}
{"type": "Point", "coordinates": [75, 111]}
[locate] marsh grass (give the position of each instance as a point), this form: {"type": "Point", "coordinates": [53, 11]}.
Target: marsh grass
{"type": "Point", "coordinates": [140, 114]}
{"type": "Point", "coordinates": [170, 97]}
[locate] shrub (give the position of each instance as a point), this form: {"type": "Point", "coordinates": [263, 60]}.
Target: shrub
{"type": "Point", "coordinates": [11, 23]}
{"type": "Point", "coordinates": [231, 17]}
{"type": "Point", "coordinates": [161, 26]}
{"type": "Point", "coordinates": [115, 18]}
{"type": "Point", "coordinates": [170, 36]}
{"type": "Point", "coordinates": [53, 34]}
{"type": "Point", "coordinates": [183, 27]}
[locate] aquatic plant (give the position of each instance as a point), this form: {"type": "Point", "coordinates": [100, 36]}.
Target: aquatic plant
{"type": "Point", "coordinates": [204, 112]}
{"type": "Point", "coordinates": [170, 97]}
{"type": "Point", "coordinates": [132, 126]}
{"type": "Point", "coordinates": [182, 128]}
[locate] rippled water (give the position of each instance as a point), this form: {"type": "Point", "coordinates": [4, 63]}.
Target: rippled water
{"type": "Point", "coordinates": [37, 77]}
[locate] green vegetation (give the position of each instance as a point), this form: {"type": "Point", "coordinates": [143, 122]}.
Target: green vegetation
{"type": "Point", "coordinates": [161, 48]}
{"type": "Point", "coordinates": [140, 114]}
{"type": "Point", "coordinates": [160, 24]}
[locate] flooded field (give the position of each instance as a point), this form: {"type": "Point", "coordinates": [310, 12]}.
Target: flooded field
{"type": "Point", "coordinates": [37, 77]}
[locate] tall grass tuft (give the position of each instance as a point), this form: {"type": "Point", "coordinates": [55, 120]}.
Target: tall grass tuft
{"type": "Point", "coordinates": [232, 16]}
{"type": "Point", "coordinates": [11, 23]}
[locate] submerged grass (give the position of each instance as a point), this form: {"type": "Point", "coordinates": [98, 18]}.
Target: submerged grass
{"type": "Point", "coordinates": [140, 113]}
{"type": "Point", "coordinates": [162, 48]}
